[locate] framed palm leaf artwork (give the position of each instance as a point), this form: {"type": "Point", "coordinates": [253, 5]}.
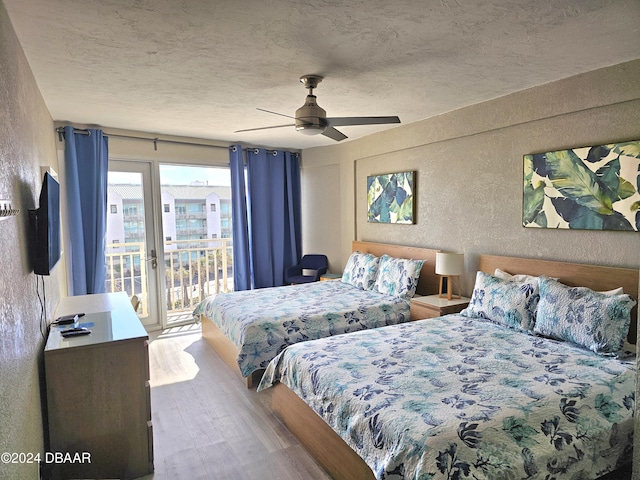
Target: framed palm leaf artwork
{"type": "Point", "coordinates": [390, 198]}
{"type": "Point", "coordinates": [589, 188]}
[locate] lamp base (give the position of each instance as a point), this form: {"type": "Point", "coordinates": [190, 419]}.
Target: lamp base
{"type": "Point", "coordinates": [449, 294]}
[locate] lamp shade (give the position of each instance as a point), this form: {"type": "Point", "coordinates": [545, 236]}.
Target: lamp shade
{"type": "Point", "coordinates": [449, 263]}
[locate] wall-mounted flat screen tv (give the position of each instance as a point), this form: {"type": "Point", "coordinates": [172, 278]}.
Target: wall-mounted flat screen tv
{"type": "Point", "coordinates": [45, 224]}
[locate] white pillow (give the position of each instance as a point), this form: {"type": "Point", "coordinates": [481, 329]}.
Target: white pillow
{"type": "Point", "coordinates": [502, 275]}
{"type": "Point", "coordinates": [630, 347]}
{"type": "Point", "coordinates": [529, 278]}
{"type": "Point", "coordinates": [615, 291]}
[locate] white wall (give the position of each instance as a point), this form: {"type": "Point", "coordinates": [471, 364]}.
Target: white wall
{"type": "Point", "coordinates": [115, 222]}
{"type": "Point", "coordinates": [27, 142]}
{"type": "Point", "coordinates": [321, 218]}
{"type": "Point", "coordinates": [169, 219]}
{"type": "Point", "coordinates": [213, 218]}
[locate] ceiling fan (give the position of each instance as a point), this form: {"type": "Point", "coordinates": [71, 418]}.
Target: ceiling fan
{"type": "Point", "coordinates": [311, 119]}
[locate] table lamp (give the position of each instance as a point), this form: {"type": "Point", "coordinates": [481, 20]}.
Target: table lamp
{"type": "Point", "coordinates": [449, 265]}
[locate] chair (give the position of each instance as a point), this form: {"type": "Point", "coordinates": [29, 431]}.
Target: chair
{"type": "Point", "coordinates": [308, 270]}
{"type": "Point", "coordinates": [135, 301]}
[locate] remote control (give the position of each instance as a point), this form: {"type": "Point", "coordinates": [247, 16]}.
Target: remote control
{"type": "Point", "coordinates": [66, 319]}
{"type": "Point", "coordinates": [72, 332]}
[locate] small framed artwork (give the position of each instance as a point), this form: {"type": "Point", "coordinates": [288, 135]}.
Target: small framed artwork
{"type": "Point", "coordinates": [588, 188]}
{"type": "Point", "coordinates": [390, 198]}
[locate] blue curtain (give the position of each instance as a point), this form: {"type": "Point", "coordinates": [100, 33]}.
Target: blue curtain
{"type": "Point", "coordinates": [273, 215]}
{"type": "Point", "coordinates": [241, 252]}
{"type": "Point", "coordinates": [86, 157]}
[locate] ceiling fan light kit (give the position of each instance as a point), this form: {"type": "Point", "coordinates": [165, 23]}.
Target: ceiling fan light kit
{"type": "Point", "coordinates": [310, 129]}
{"type": "Point", "coordinates": [311, 119]}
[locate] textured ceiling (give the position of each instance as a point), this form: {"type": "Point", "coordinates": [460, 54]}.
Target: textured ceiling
{"type": "Point", "coordinates": [200, 68]}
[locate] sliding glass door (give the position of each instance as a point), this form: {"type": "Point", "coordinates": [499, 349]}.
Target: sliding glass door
{"type": "Point", "coordinates": [131, 252]}
{"type": "Point", "coordinates": [168, 237]}
{"type": "Point", "coordinates": [196, 229]}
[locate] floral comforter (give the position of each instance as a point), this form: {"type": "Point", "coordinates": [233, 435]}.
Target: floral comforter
{"type": "Point", "coordinates": [262, 322]}
{"type": "Point", "coordinates": [454, 398]}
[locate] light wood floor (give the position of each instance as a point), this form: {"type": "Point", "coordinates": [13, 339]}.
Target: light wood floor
{"type": "Point", "coordinates": [208, 425]}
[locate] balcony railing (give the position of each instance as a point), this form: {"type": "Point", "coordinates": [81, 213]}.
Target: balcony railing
{"type": "Point", "coordinates": [194, 269]}
{"type": "Point", "coordinates": [127, 272]}
{"type": "Point", "coordinates": [196, 215]}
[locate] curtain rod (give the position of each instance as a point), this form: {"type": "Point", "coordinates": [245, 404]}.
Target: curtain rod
{"type": "Point", "coordinates": [255, 150]}
{"type": "Point", "coordinates": [83, 131]}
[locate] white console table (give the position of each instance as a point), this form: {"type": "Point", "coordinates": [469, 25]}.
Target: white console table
{"type": "Point", "coordinates": [98, 394]}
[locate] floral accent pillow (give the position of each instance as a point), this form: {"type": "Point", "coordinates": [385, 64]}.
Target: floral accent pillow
{"type": "Point", "coordinates": [361, 270]}
{"type": "Point", "coordinates": [507, 302]}
{"type": "Point", "coordinates": [398, 277]}
{"type": "Point", "coordinates": [593, 320]}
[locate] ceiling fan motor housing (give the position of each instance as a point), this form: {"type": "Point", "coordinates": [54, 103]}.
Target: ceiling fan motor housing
{"type": "Point", "coordinates": [310, 118]}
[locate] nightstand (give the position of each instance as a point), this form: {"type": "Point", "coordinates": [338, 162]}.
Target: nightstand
{"type": "Point", "coordinates": [330, 276]}
{"type": "Point", "coordinates": [431, 306]}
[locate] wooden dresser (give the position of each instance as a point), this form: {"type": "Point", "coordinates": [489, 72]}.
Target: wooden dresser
{"type": "Point", "coordinates": [98, 394]}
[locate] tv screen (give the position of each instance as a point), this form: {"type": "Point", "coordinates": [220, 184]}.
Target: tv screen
{"type": "Point", "coordinates": [46, 226]}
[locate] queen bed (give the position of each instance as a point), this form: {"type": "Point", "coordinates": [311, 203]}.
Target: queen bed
{"type": "Point", "coordinates": [484, 394]}
{"type": "Point", "coordinates": [249, 328]}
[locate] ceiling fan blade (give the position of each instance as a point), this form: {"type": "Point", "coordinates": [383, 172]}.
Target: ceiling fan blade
{"type": "Point", "coordinates": [265, 128]}
{"type": "Point", "coordinates": [344, 121]}
{"type": "Point", "coordinates": [275, 113]}
{"type": "Point", "coordinates": [334, 134]}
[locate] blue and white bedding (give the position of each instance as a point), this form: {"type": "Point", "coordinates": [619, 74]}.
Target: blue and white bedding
{"type": "Point", "coordinates": [457, 397]}
{"type": "Point", "coordinates": [261, 323]}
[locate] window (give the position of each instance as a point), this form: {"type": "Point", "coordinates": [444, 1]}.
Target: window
{"type": "Point", "coordinates": [167, 239]}
{"type": "Point", "coordinates": [213, 207]}
{"type": "Point", "coordinates": [114, 209]}
{"type": "Point", "coordinates": [116, 241]}
{"type": "Point", "coordinates": [195, 207]}
{"type": "Point", "coordinates": [133, 209]}
{"type": "Point", "coordinates": [166, 208]}
{"type": "Point", "coordinates": [214, 235]}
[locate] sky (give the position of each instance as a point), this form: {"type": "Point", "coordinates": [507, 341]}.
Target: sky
{"type": "Point", "coordinates": [179, 175]}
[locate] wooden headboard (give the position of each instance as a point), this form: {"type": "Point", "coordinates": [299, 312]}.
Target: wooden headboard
{"type": "Point", "coordinates": [428, 283]}
{"type": "Point", "coordinates": [595, 277]}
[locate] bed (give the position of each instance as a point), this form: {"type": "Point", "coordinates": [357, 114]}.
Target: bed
{"type": "Point", "coordinates": [463, 397]}
{"type": "Point", "coordinates": [249, 328]}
